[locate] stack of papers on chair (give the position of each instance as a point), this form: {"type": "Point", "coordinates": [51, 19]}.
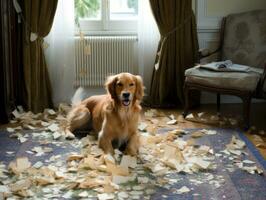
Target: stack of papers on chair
{"type": "Point", "coordinates": [225, 66]}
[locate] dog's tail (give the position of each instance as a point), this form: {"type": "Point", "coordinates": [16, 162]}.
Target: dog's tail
{"type": "Point", "coordinates": [79, 96]}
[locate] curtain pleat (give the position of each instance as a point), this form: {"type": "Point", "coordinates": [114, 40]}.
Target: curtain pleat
{"type": "Point", "coordinates": [39, 17]}
{"type": "Point", "coordinates": [11, 70]}
{"type": "Point", "coordinates": [177, 50]}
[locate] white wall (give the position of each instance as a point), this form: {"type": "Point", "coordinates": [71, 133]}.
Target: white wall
{"type": "Point", "coordinates": [209, 14]}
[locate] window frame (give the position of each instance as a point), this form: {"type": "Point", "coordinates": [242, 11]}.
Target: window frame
{"type": "Point", "coordinates": [106, 26]}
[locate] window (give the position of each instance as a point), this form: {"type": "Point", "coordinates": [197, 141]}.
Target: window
{"type": "Point", "coordinates": [106, 16]}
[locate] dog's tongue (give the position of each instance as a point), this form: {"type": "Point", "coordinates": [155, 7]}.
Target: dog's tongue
{"type": "Point", "coordinates": [126, 103]}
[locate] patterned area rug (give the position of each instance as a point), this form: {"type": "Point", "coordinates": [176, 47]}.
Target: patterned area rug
{"type": "Point", "coordinates": [226, 181]}
{"type": "Point", "coordinates": [233, 183]}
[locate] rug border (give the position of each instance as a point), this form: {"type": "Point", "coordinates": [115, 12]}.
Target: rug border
{"type": "Point", "coordinates": [252, 148]}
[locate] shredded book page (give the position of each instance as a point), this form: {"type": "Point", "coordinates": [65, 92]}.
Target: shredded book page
{"type": "Point", "coordinates": [225, 66]}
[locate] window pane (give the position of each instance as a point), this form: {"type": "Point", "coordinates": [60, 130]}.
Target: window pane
{"type": "Point", "coordinates": [123, 9]}
{"type": "Point", "coordinates": [87, 9]}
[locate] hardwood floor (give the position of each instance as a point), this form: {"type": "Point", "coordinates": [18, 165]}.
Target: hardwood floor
{"type": "Point", "coordinates": [229, 111]}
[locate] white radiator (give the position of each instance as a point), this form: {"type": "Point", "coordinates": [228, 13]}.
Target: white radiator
{"type": "Point", "coordinates": [97, 57]}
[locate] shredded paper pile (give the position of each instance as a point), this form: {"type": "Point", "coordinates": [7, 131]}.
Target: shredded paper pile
{"type": "Point", "coordinates": [56, 165]}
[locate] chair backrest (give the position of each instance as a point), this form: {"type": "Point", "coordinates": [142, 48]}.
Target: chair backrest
{"type": "Point", "coordinates": [244, 39]}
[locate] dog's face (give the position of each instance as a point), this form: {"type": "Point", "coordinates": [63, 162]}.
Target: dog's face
{"type": "Point", "coordinates": [125, 88]}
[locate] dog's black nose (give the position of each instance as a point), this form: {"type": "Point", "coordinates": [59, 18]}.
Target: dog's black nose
{"type": "Point", "coordinates": [126, 94]}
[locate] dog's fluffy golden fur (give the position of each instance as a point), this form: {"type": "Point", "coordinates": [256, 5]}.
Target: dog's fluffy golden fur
{"type": "Point", "coordinates": [115, 115]}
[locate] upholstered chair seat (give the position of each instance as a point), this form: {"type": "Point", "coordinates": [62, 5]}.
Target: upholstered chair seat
{"type": "Point", "coordinates": [246, 81]}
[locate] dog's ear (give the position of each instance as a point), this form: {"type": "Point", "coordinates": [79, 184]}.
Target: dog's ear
{"type": "Point", "coordinates": [139, 88]}
{"type": "Point", "coordinates": [110, 85]}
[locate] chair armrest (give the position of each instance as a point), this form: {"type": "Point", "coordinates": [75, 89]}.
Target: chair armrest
{"type": "Point", "coordinates": [260, 92]}
{"type": "Point", "coordinates": [203, 53]}
{"type": "Point", "coordinates": [263, 76]}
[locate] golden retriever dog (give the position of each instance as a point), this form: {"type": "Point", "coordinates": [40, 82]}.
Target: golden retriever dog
{"type": "Point", "coordinates": [115, 115]}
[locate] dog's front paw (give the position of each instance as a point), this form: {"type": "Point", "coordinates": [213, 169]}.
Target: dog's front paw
{"type": "Point", "coordinates": [131, 151]}
{"type": "Point", "coordinates": [133, 145]}
{"type": "Point", "coordinates": [106, 146]}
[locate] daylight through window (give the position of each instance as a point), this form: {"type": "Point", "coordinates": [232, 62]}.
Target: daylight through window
{"type": "Point", "coordinates": [106, 15]}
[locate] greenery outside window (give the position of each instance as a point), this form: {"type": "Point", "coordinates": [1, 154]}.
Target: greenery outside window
{"type": "Point", "coordinates": [106, 16]}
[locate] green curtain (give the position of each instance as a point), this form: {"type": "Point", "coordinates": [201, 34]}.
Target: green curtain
{"type": "Point", "coordinates": [177, 50]}
{"type": "Point", "coordinates": [38, 19]}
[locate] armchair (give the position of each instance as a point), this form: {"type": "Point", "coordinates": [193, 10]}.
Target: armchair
{"type": "Point", "coordinates": [243, 41]}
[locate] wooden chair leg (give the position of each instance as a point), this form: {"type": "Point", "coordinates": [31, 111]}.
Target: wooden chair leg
{"type": "Point", "coordinates": [186, 94]}
{"type": "Point", "coordinates": [218, 101]}
{"type": "Point", "coordinates": [246, 111]}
